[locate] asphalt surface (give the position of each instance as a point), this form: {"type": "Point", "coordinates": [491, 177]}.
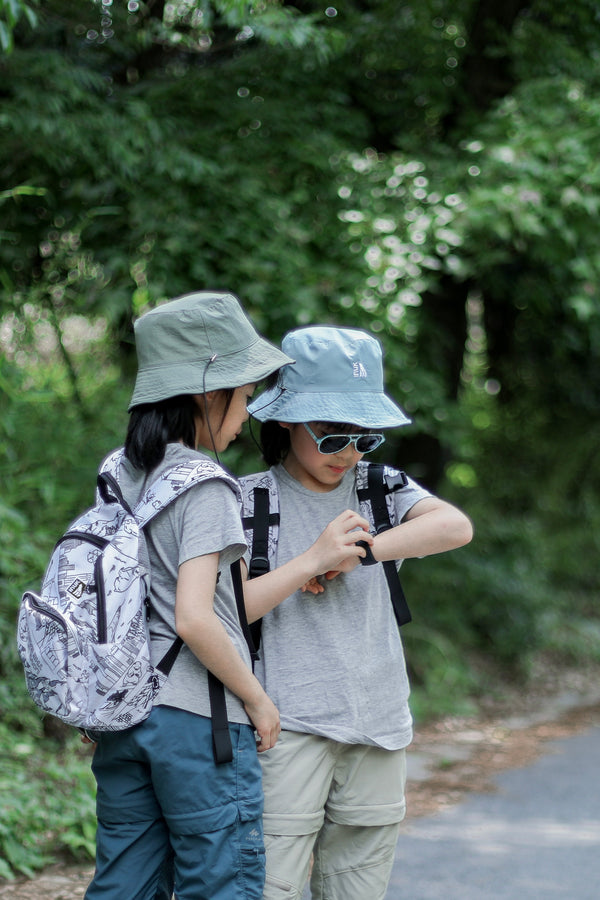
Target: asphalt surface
{"type": "Point", "coordinates": [537, 836]}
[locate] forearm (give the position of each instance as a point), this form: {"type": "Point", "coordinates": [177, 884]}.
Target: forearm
{"type": "Point", "coordinates": [263, 594]}
{"type": "Point", "coordinates": [437, 528]}
{"type": "Point", "coordinates": [208, 640]}
{"type": "Point", "coordinates": [199, 626]}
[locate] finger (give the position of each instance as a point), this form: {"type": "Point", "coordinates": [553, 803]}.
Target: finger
{"type": "Point", "coordinates": [268, 740]}
{"type": "Point", "coordinates": [352, 516]}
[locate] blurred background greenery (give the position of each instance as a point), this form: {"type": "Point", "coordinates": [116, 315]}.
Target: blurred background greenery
{"type": "Point", "coordinates": [428, 171]}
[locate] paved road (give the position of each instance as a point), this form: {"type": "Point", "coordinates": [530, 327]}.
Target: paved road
{"type": "Point", "coordinates": [537, 838]}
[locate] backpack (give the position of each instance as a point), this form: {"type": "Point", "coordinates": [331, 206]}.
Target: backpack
{"type": "Point", "coordinates": [375, 485]}
{"type": "Point", "coordinates": [84, 640]}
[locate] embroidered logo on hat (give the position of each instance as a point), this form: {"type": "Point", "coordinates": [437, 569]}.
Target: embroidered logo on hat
{"type": "Point", "coordinates": [358, 370]}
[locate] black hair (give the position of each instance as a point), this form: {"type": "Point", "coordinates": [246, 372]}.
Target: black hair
{"type": "Point", "coordinates": [274, 442]}
{"type": "Point", "coordinates": [153, 425]}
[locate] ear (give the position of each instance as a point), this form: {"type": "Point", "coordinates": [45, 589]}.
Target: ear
{"type": "Point", "coordinates": [287, 425]}
{"type": "Point", "coordinates": [207, 398]}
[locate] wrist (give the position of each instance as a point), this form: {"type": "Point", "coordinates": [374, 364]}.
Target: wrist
{"type": "Point", "coordinates": [369, 559]}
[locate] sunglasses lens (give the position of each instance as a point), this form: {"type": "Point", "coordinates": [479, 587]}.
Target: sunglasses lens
{"type": "Point", "coordinates": [334, 443]}
{"type": "Point", "coordinates": [368, 442]}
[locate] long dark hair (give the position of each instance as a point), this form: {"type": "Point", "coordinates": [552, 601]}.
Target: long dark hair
{"type": "Point", "coordinates": [153, 425]}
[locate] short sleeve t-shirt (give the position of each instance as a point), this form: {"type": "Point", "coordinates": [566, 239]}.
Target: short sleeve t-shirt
{"type": "Point", "coordinates": [204, 519]}
{"type": "Point", "coordinates": [333, 663]}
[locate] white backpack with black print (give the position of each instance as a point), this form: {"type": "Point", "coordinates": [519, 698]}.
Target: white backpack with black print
{"type": "Point", "coordinates": [83, 640]}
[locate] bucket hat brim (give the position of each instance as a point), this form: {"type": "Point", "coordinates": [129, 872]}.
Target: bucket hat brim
{"type": "Point", "coordinates": [367, 409]}
{"type": "Point", "coordinates": [245, 366]}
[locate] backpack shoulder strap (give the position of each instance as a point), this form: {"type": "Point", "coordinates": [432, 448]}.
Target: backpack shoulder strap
{"type": "Point", "coordinates": [164, 489]}
{"type": "Point", "coordinates": [260, 519]}
{"type": "Point", "coordinates": [174, 481]}
{"type": "Point", "coordinates": [376, 484]}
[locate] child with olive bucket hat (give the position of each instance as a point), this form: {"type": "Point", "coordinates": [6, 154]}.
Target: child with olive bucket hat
{"type": "Point", "coordinates": [331, 657]}
{"type": "Point", "coordinates": [160, 791]}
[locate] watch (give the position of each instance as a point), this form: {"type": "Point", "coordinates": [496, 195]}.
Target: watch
{"type": "Point", "coordinates": [369, 559]}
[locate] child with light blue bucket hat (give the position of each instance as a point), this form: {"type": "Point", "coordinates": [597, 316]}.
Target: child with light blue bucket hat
{"type": "Point", "coordinates": [331, 655]}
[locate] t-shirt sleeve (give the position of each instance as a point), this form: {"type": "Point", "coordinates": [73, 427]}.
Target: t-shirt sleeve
{"type": "Point", "coordinates": [406, 498]}
{"type": "Point", "coordinates": [210, 522]}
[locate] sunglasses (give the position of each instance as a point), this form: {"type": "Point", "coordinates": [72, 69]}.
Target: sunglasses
{"type": "Point", "coordinates": [335, 443]}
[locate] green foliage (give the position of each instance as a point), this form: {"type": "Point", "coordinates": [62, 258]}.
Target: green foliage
{"type": "Point", "coordinates": [49, 455]}
{"type": "Point", "coordinates": [11, 13]}
{"type": "Point", "coordinates": [48, 801]}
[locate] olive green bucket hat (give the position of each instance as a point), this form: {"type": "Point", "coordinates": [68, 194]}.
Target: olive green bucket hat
{"type": "Point", "coordinates": [199, 342]}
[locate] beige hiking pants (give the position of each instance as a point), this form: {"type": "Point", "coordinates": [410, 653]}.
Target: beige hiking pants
{"type": "Point", "coordinates": [342, 802]}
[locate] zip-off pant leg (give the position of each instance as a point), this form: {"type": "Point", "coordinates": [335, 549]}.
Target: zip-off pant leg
{"type": "Point", "coordinates": [160, 794]}
{"type": "Point", "coordinates": [322, 795]}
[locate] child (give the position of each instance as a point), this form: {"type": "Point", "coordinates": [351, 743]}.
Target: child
{"type": "Point", "coordinates": [159, 788]}
{"type": "Point", "coordinates": [333, 661]}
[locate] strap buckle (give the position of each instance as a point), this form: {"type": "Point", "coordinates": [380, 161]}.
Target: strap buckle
{"type": "Point", "coordinates": [259, 565]}
{"type": "Point", "coordinates": [396, 482]}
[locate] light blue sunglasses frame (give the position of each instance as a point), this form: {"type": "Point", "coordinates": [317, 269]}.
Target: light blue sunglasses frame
{"type": "Point", "coordinates": [371, 437]}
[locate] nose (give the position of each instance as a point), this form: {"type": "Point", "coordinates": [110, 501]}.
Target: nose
{"type": "Point", "coordinates": [349, 455]}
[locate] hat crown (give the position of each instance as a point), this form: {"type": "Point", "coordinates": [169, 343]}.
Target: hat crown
{"type": "Point", "coordinates": [195, 326]}
{"type": "Point", "coordinates": [332, 360]}
{"type": "Point", "coordinates": [337, 377]}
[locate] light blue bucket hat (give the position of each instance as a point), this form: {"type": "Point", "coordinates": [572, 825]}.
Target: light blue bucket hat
{"type": "Point", "coordinates": [337, 377]}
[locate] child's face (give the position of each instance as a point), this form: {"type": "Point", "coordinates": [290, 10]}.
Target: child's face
{"type": "Point", "coordinates": [314, 470]}
{"type": "Point", "coordinates": [224, 430]}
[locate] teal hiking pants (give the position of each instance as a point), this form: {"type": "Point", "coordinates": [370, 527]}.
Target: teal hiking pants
{"type": "Point", "coordinates": [167, 811]}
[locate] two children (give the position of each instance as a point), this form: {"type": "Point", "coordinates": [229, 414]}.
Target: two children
{"type": "Point", "coordinates": [332, 672]}
{"type": "Point", "coordinates": [331, 656]}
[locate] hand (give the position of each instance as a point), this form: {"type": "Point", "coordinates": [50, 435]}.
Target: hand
{"type": "Point", "coordinates": [313, 585]}
{"type": "Point", "coordinates": [335, 549]}
{"type": "Point", "coordinates": [264, 715]}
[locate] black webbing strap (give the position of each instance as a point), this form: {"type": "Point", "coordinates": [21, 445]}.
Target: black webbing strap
{"type": "Point", "coordinates": [259, 558]}
{"type": "Point", "coordinates": [259, 523]}
{"type": "Point", "coordinates": [238, 589]}
{"type": "Point", "coordinates": [376, 492]}
{"type": "Point", "coordinates": [168, 660]}
{"type": "Point", "coordinates": [222, 749]}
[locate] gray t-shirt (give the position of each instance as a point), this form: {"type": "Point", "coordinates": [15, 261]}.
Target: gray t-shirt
{"type": "Point", "coordinates": [333, 663]}
{"type": "Point", "coordinates": [204, 519]}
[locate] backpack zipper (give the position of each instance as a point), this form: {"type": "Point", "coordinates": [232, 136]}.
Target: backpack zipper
{"type": "Point", "coordinates": [94, 539]}
{"type": "Point", "coordinates": [101, 603]}
{"type": "Point", "coordinates": [46, 611]}
{"type": "Point", "coordinates": [100, 543]}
